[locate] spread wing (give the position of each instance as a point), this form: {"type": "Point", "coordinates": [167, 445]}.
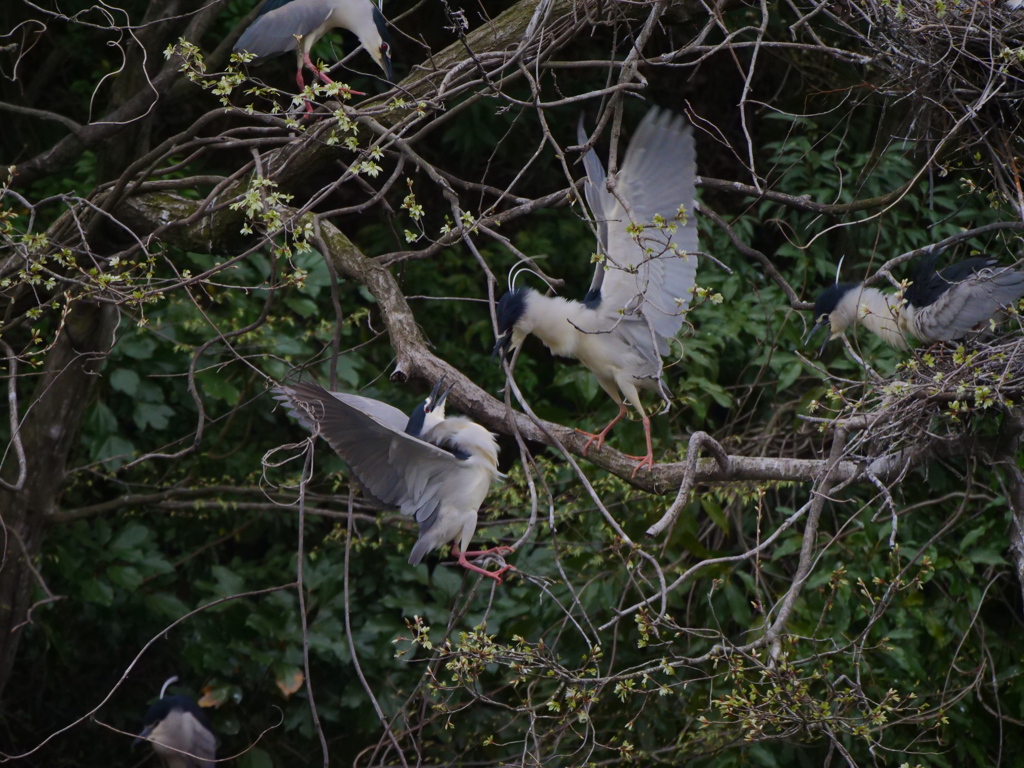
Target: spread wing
{"type": "Point", "coordinates": [973, 293]}
{"type": "Point", "coordinates": [656, 276]}
{"type": "Point", "coordinates": [274, 30]}
{"type": "Point", "coordinates": [395, 468]}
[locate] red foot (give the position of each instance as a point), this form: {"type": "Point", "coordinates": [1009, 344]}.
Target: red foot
{"type": "Point", "coordinates": [647, 460]}
{"type": "Point", "coordinates": [644, 461]}
{"type": "Point", "coordinates": [323, 77]}
{"type": "Point", "coordinates": [600, 436]}
{"type": "Point", "coordinates": [496, 575]}
{"type": "Point", "coordinates": [464, 562]}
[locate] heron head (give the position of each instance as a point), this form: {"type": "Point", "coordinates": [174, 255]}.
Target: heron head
{"type": "Point", "coordinates": [510, 311]}
{"type": "Point", "coordinates": [430, 412]}
{"type": "Point", "coordinates": [825, 313]}
{"type": "Point", "coordinates": [435, 400]}
{"type": "Point", "coordinates": [156, 715]}
{"type": "Point", "coordinates": [380, 49]}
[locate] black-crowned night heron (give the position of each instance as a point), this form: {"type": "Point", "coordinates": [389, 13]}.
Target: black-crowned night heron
{"type": "Point", "coordinates": [937, 306]}
{"type": "Point", "coordinates": [179, 732]}
{"type": "Point", "coordinates": [296, 25]}
{"type": "Point", "coordinates": [434, 468]}
{"type": "Point", "coordinates": [643, 282]}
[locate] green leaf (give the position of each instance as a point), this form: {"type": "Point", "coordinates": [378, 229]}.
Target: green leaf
{"type": "Point", "coordinates": [789, 376]}
{"type": "Point", "coordinates": [987, 557]}
{"type": "Point", "coordinates": [317, 275]}
{"type": "Point", "coordinates": [96, 591]}
{"type": "Point", "coordinates": [101, 419]}
{"type": "Point", "coordinates": [255, 758]}
{"type": "Point", "coordinates": [166, 605]}
{"type": "Point", "coordinates": [114, 451]}
{"type": "Point", "coordinates": [130, 537]}
{"type": "Point", "coordinates": [714, 511]}
{"type": "Point", "coordinates": [125, 576]}
{"type": "Point", "coordinates": [217, 386]}
{"type": "Point", "coordinates": [302, 306]}
{"type": "Point", "coordinates": [228, 582]}
{"type": "Point", "coordinates": [153, 415]}
{"type": "Point", "coordinates": [139, 346]}
{"type": "Point", "coordinates": [970, 537]}
{"type": "Point", "coordinates": [124, 380]}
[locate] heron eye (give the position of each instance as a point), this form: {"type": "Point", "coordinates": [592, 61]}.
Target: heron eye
{"type": "Point", "coordinates": [384, 48]}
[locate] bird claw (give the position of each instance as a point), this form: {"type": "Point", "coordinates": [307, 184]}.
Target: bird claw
{"type": "Point", "coordinates": [496, 575]}
{"type": "Point", "coordinates": [496, 552]}
{"type": "Point", "coordinates": [643, 461]}
{"type": "Point", "coordinates": [598, 437]}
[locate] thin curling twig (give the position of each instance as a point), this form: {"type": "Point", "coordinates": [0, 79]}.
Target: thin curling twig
{"type": "Point", "coordinates": [698, 440]}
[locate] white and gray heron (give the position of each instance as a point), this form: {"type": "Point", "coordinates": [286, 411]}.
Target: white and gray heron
{"type": "Point", "coordinates": [437, 469]}
{"type": "Point", "coordinates": [179, 732]}
{"type": "Point", "coordinates": [643, 282]}
{"type": "Point", "coordinates": [296, 25]}
{"type": "Point", "coordinates": [942, 305]}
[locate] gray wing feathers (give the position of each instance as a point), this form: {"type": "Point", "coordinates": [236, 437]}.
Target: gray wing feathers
{"type": "Point", "coordinates": [969, 303]}
{"type": "Point", "coordinates": [382, 412]}
{"type": "Point", "coordinates": [658, 176]}
{"type": "Point", "coordinates": [395, 468]}
{"type": "Point", "coordinates": [599, 200]}
{"type": "Point", "coordinates": [274, 32]}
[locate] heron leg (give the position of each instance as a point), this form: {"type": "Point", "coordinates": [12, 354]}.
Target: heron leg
{"type": "Point", "coordinates": [628, 388]}
{"type": "Point", "coordinates": [302, 86]}
{"type": "Point", "coordinates": [313, 68]}
{"type": "Point", "coordinates": [648, 460]}
{"type": "Point", "coordinates": [464, 562]}
{"type": "Point", "coordinates": [319, 73]}
{"type": "Point", "coordinates": [599, 437]}
{"type": "Point", "coordinates": [491, 551]}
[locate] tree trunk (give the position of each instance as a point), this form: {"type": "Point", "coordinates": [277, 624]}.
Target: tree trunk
{"type": "Point", "coordinates": [47, 431]}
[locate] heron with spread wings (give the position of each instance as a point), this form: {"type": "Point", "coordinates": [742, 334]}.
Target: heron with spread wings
{"type": "Point", "coordinates": [647, 246]}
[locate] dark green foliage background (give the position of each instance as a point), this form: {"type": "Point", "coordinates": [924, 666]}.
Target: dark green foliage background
{"type": "Point", "coordinates": [125, 575]}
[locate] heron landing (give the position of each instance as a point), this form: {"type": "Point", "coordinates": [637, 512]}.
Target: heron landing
{"type": "Point", "coordinates": [643, 282]}
{"type": "Point", "coordinates": [434, 468]}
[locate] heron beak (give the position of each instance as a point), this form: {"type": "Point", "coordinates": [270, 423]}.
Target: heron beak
{"type": "Point", "coordinates": [142, 736]}
{"type": "Point", "coordinates": [439, 403]}
{"type": "Point", "coordinates": [435, 399]}
{"type": "Point", "coordinates": [810, 334]}
{"type": "Point", "coordinates": [385, 64]}
{"type": "Point", "coordinates": [501, 347]}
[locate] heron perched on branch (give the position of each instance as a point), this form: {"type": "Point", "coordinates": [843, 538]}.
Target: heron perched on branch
{"type": "Point", "coordinates": [296, 25]}
{"type": "Point", "coordinates": [437, 469]}
{"type": "Point", "coordinates": [179, 731]}
{"type": "Point", "coordinates": [940, 305]}
{"type": "Point", "coordinates": [646, 270]}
